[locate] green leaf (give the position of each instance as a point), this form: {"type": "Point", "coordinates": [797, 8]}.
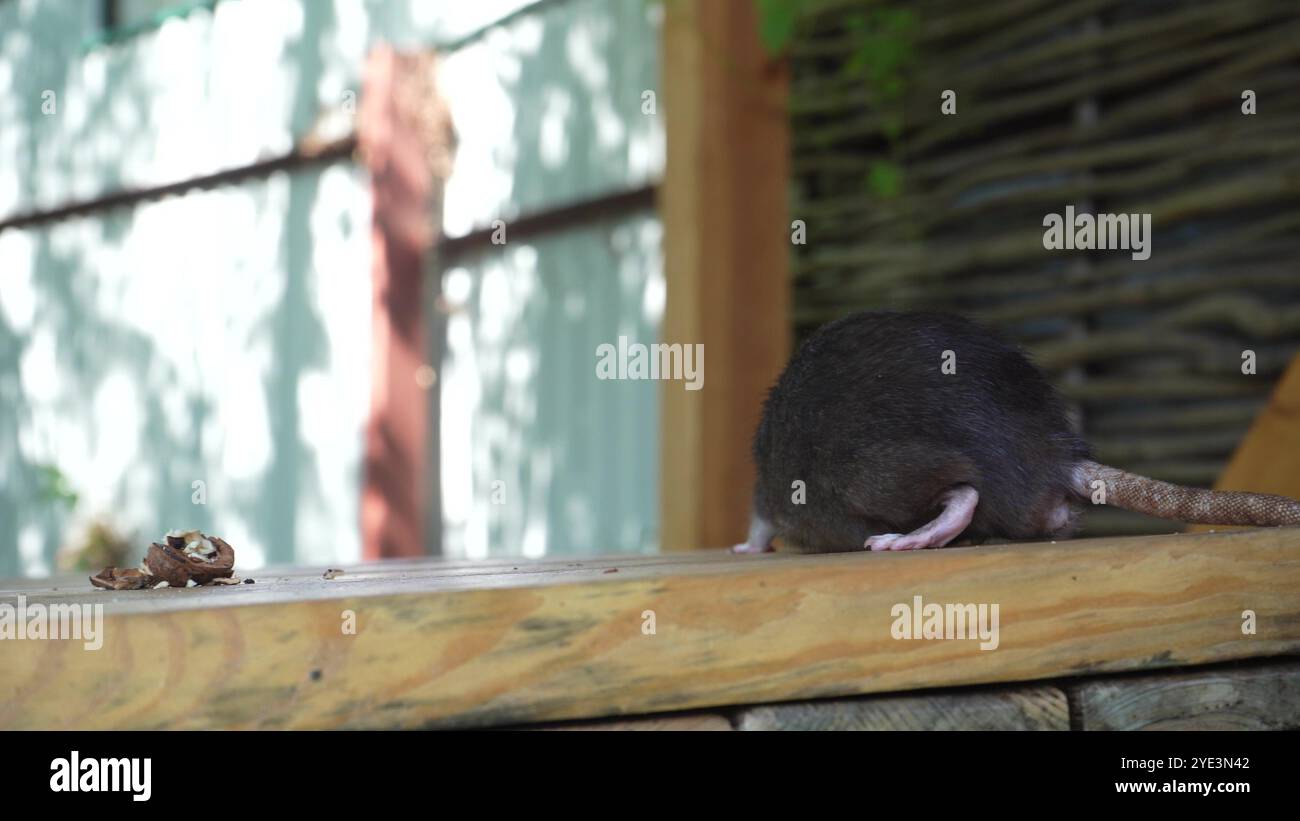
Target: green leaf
{"type": "Point", "coordinates": [883, 48]}
{"type": "Point", "coordinates": [776, 21]}
{"type": "Point", "coordinates": [53, 486]}
{"type": "Point", "coordinates": [885, 178]}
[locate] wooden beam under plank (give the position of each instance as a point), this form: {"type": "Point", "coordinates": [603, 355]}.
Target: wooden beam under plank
{"type": "Point", "coordinates": [512, 641]}
{"type": "Point", "coordinates": [1257, 697]}
{"type": "Point", "coordinates": [1031, 707]}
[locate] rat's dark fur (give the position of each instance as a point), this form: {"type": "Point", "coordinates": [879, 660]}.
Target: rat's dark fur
{"type": "Point", "coordinates": [864, 416]}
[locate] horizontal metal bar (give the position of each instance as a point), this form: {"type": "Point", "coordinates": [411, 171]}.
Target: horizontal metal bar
{"type": "Point", "coordinates": [299, 157]}
{"type": "Point", "coordinates": [604, 206]}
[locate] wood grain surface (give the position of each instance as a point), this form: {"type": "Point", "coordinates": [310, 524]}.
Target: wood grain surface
{"type": "Point", "coordinates": [725, 206]}
{"type": "Point", "coordinates": [1033, 707]}
{"type": "Point", "coordinates": [510, 641]}
{"type": "Point", "coordinates": [1259, 698]}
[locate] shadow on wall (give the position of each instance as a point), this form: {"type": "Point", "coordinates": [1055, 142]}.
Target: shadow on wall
{"type": "Point", "coordinates": [89, 346]}
{"type": "Point", "coordinates": [571, 459]}
{"type": "Point", "coordinates": [299, 339]}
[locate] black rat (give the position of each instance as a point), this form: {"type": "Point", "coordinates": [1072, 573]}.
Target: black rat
{"type": "Point", "coordinates": [895, 451]}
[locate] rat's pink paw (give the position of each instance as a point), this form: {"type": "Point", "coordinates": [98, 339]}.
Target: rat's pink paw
{"type": "Point", "coordinates": [745, 547]}
{"type": "Point", "coordinates": [896, 541]}
{"type": "Point", "coordinates": [882, 541]}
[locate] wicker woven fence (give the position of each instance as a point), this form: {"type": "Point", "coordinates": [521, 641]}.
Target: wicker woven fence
{"type": "Point", "coordinates": [1106, 106]}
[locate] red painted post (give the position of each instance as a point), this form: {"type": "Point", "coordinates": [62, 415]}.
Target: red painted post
{"type": "Point", "coordinates": [406, 141]}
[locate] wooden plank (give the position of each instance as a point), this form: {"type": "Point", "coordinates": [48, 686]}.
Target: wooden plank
{"type": "Point", "coordinates": [448, 645]}
{"type": "Point", "coordinates": [726, 261]}
{"type": "Point", "coordinates": [1264, 697]}
{"type": "Point", "coordinates": [1017, 708]}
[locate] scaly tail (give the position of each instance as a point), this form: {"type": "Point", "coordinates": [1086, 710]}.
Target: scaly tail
{"type": "Point", "coordinates": [1188, 504]}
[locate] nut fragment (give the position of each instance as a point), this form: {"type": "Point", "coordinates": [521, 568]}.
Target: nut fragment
{"type": "Point", "coordinates": [178, 564]}
{"type": "Point", "coordinates": [192, 543]}
{"type": "Point", "coordinates": [184, 558]}
{"type": "Point", "coordinates": [123, 578]}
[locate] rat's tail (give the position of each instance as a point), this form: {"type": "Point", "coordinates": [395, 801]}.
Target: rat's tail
{"type": "Point", "coordinates": [1100, 484]}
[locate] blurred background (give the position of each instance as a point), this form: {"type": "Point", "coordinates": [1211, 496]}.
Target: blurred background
{"type": "Point", "coordinates": [225, 334]}
{"type": "Point", "coordinates": [218, 308]}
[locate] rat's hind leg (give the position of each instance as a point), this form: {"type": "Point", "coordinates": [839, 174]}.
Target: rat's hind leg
{"type": "Point", "coordinates": [958, 509]}
{"type": "Point", "coordinates": [760, 538]}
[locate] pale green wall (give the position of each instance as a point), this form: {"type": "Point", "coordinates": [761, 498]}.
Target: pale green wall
{"type": "Point", "coordinates": [577, 456]}
{"type": "Point", "coordinates": [100, 374]}
{"type": "Point", "coordinates": [549, 109]}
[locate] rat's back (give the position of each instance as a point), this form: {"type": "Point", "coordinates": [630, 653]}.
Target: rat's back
{"type": "Point", "coordinates": [878, 413]}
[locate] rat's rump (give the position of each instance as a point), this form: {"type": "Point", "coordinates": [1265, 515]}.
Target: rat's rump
{"type": "Point", "coordinates": [878, 414]}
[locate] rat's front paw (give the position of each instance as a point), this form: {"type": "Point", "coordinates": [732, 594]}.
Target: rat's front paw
{"type": "Point", "coordinates": [746, 547]}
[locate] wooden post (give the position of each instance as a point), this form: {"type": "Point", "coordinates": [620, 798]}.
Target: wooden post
{"type": "Point", "coordinates": [404, 135]}
{"type": "Point", "coordinates": [726, 258]}
{"type": "Point", "coordinates": [1265, 461]}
